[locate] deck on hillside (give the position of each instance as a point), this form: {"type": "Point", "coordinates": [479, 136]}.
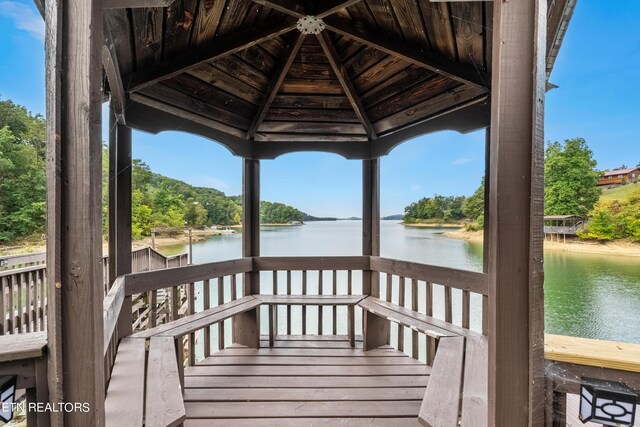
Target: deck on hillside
{"type": "Point", "coordinates": [305, 380]}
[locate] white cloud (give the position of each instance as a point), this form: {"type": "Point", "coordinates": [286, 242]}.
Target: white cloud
{"type": "Point", "coordinates": [23, 17]}
{"type": "Point", "coordinates": [461, 161]}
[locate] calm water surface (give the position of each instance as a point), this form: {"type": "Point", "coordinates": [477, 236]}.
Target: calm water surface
{"type": "Point", "coordinates": [586, 295]}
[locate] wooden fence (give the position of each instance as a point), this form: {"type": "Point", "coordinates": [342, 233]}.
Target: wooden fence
{"type": "Point", "coordinates": [23, 291]}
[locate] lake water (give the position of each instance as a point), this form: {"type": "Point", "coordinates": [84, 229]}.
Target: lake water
{"type": "Point", "coordinates": [586, 295]}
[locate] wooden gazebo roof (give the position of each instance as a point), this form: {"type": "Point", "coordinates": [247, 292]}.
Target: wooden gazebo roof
{"type": "Point", "coordinates": [240, 72]}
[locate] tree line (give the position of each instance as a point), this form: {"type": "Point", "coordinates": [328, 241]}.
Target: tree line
{"type": "Point", "coordinates": [570, 188]}
{"type": "Point", "coordinates": [157, 201]}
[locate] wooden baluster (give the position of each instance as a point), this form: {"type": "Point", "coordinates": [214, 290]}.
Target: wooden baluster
{"type": "Point", "coordinates": [45, 297]}
{"type": "Point", "coordinates": [191, 310]}
{"type": "Point", "coordinates": [447, 304]}
{"type": "Point", "coordinates": [20, 306]}
{"type": "Point", "coordinates": [273, 312]}
{"type": "Point", "coordinates": [401, 304]}
{"type": "Point", "coordinates": [234, 296]}
{"type": "Point", "coordinates": [304, 307]}
{"type": "Point", "coordinates": [351, 312]}
{"type": "Point", "coordinates": [335, 308]}
{"type": "Point", "coordinates": [320, 307]}
{"type": "Point", "coordinates": [466, 308]}
{"type": "Point", "coordinates": [153, 308]}
{"type": "Point", "coordinates": [414, 307]}
{"type": "Point", "coordinates": [37, 302]}
{"type": "Point", "coordinates": [28, 284]}
{"type": "Point", "coordinates": [220, 302]}
{"type": "Point", "coordinates": [431, 342]}
{"type": "Point", "coordinates": [485, 314]}
{"type": "Point", "coordinates": [175, 303]}
{"type": "Point", "coordinates": [206, 305]}
{"type": "Point", "coordinates": [11, 322]}
{"type": "Point", "coordinates": [288, 306]}
{"type": "Point", "coordinates": [3, 310]}
{"type": "Point", "coordinates": [388, 298]}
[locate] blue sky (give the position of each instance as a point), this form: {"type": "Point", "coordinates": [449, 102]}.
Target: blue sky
{"type": "Point", "coordinates": [597, 70]}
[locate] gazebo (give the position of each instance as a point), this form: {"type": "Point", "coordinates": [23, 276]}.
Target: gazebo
{"type": "Point", "coordinates": [270, 77]}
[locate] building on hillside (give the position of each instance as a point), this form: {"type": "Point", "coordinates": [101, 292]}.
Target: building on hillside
{"type": "Point", "coordinates": [618, 176]}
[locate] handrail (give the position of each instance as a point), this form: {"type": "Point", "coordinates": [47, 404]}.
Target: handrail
{"type": "Point", "coordinates": [136, 283]}
{"type": "Point", "coordinates": [15, 271]}
{"type": "Point", "coordinates": [311, 263]}
{"type": "Point", "coordinates": [590, 352]}
{"type": "Point", "coordinates": [460, 279]}
{"type": "Point", "coordinates": [112, 304]}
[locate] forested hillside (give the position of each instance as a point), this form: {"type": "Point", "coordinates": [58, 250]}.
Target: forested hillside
{"type": "Point", "coordinates": [157, 201]}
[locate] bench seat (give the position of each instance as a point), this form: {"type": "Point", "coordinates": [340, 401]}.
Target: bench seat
{"type": "Point", "coordinates": [331, 300]}
{"type": "Point", "coordinates": [428, 325]}
{"type": "Point", "coordinates": [195, 322]}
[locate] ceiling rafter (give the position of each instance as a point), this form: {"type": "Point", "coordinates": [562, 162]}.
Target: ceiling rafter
{"type": "Point", "coordinates": [293, 8]}
{"type": "Point", "coordinates": [419, 56]}
{"type": "Point", "coordinates": [297, 9]}
{"type": "Point", "coordinates": [278, 77]}
{"type": "Point", "coordinates": [218, 48]}
{"type": "Point", "coordinates": [345, 81]}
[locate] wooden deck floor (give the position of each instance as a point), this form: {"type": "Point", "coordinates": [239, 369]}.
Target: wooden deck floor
{"type": "Point", "coordinates": [305, 381]}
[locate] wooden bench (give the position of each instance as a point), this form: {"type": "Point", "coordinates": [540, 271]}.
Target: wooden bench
{"type": "Point", "coordinates": [378, 313]}
{"type": "Point", "coordinates": [145, 390]}
{"type": "Point", "coordinates": [319, 300]}
{"type": "Point", "coordinates": [458, 385]}
{"type": "Point", "coordinates": [159, 375]}
{"type": "Point", "coordinates": [24, 355]}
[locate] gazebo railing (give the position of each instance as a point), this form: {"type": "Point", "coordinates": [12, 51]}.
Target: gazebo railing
{"type": "Point", "coordinates": [453, 296]}
{"type": "Point", "coordinates": [23, 291]}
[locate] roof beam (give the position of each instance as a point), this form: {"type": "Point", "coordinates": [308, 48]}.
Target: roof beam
{"type": "Point", "coordinates": [123, 4]}
{"type": "Point", "coordinates": [419, 56]}
{"type": "Point", "coordinates": [112, 69]}
{"type": "Point", "coordinates": [335, 5]}
{"type": "Point", "coordinates": [345, 81]}
{"type": "Point", "coordinates": [218, 48]}
{"type": "Point", "coordinates": [279, 76]}
{"type": "Point", "coordinates": [290, 7]}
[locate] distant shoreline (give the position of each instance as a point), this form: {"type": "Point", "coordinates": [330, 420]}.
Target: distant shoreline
{"type": "Point", "coordinates": [620, 247]}
{"type": "Point", "coordinates": [443, 225]}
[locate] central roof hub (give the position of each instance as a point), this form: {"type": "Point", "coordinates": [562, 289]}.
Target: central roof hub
{"type": "Point", "coordinates": [310, 25]}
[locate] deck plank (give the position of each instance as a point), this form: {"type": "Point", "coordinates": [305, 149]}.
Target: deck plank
{"type": "Point", "coordinates": [212, 410]}
{"type": "Point", "coordinates": [192, 381]}
{"type": "Point", "coordinates": [302, 394]}
{"type": "Point", "coordinates": [311, 383]}
{"type": "Point", "coordinates": [124, 404]}
{"type": "Point", "coordinates": [308, 361]}
{"type": "Point", "coordinates": [475, 404]}
{"type": "Point", "coordinates": [386, 351]}
{"type": "Point", "coordinates": [167, 408]}
{"type": "Point", "coordinates": [283, 371]}
{"type": "Point", "coordinates": [304, 422]}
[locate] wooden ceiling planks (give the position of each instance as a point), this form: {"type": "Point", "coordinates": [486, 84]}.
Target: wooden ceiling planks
{"type": "Point", "coordinates": [197, 57]}
{"type": "Point", "coordinates": [178, 27]}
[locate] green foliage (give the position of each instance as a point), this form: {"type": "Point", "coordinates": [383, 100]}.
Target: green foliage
{"type": "Point", "coordinates": [445, 208]}
{"type": "Point", "coordinates": [615, 219]}
{"type": "Point", "coordinates": [473, 207]}
{"type": "Point", "coordinates": [570, 178]}
{"type": "Point", "coordinates": [279, 213]}
{"type": "Point", "coordinates": [22, 177]}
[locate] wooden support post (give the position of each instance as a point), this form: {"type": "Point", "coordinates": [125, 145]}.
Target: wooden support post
{"type": "Point", "coordinates": [375, 331]}
{"type": "Point", "coordinates": [74, 203]}
{"type": "Point", "coordinates": [516, 306]}
{"type": "Point", "coordinates": [246, 326]}
{"type": "Point", "coordinates": [370, 222]}
{"type": "Point", "coordinates": [120, 212]}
